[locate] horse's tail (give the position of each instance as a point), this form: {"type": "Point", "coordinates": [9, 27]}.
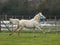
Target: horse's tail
{"type": "Point", "coordinates": [17, 26]}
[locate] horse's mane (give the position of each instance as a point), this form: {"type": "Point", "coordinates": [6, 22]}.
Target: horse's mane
{"type": "Point", "coordinates": [36, 18]}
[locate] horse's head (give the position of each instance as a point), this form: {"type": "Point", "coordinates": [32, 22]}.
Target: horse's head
{"type": "Point", "coordinates": [41, 16]}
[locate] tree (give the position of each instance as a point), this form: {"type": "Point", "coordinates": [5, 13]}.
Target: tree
{"type": "Point", "coordinates": [42, 6]}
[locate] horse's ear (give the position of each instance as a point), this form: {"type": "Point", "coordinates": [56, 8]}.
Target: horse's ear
{"type": "Point", "coordinates": [40, 13]}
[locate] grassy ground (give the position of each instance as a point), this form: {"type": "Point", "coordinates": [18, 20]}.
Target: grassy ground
{"type": "Point", "coordinates": [29, 39]}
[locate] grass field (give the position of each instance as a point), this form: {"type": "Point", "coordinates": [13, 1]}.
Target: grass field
{"type": "Point", "coordinates": [29, 39]}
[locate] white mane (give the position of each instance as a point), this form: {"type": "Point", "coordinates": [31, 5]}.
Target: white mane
{"type": "Point", "coordinates": [37, 18]}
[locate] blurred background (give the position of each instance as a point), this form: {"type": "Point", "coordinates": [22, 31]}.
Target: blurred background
{"type": "Point", "coordinates": [50, 8]}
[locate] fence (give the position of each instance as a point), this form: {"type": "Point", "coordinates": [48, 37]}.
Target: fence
{"type": "Point", "coordinates": [49, 25]}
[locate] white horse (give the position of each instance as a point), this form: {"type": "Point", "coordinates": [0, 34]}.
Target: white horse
{"type": "Point", "coordinates": [32, 23]}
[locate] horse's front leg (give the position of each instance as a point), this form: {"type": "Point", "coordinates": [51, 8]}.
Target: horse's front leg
{"type": "Point", "coordinates": [18, 30]}
{"type": "Point", "coordinates": [34, 32]}
{"type": "Point", "coordinates": [40, 28]}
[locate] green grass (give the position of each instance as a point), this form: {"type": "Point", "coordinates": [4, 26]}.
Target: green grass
{"type": "Point", "coordinates": [29, 39]}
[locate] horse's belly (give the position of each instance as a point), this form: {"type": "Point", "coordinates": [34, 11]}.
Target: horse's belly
{"type": "Point", "coordinates": [29, 25]}
{"type": "Point", "coordinates": [26, 23]}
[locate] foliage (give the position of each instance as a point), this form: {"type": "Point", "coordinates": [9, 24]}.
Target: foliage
{"type": "Point", "coordinates": [42, 5]}
{"type": "Point", "coordinates": [26, 7]}
{"type": "Point", "coordinates": [16, 7]}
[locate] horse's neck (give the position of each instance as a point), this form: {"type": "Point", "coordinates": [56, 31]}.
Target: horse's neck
{"type": "Point", "coordinates": [36, 18]}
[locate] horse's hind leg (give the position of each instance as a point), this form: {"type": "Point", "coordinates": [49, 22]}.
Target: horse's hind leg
{"type": "Point", "coordinates": [34, 32]}
{"type": "Point", "coordinates": [11, 33]}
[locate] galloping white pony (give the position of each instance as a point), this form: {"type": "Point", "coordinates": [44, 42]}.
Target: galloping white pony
{"type": "Point", "coordinates": [32, 23]}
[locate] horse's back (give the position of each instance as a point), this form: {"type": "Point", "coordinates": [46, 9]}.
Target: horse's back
{"type": "Point", "coordinates": [28, 23]}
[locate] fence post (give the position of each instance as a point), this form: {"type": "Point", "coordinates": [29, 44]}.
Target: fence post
{"type": "Point", "coordinates": [55, 24]}
{"type": "Point", "coordinates": [12, 25]}
{"type": "Point", "coordinates": [5, 17]}
{"type": "Point", "coordinates": [0, 23]}
{"type": "Point", "coordinates": [49, 23]}
{"type": "Point", "coordinates": [15, 17]}
{"type": "Point", "coordinates": [12, 16]}
{"type": "Point", "coordinates": [29, 17]}
{"type": "Point", "coordinates": [22, 17]}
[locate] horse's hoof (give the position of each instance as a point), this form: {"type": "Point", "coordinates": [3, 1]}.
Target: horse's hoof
{"type": "Point", "coordinates": [10, 34]}
{"type": "Point", "coordinates": [43, 32]}
{"type": "Point", "coordinates": [34, 36]}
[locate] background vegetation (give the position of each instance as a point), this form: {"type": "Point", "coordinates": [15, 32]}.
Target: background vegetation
{"type": "Point", "coordinates": [30, 7]}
